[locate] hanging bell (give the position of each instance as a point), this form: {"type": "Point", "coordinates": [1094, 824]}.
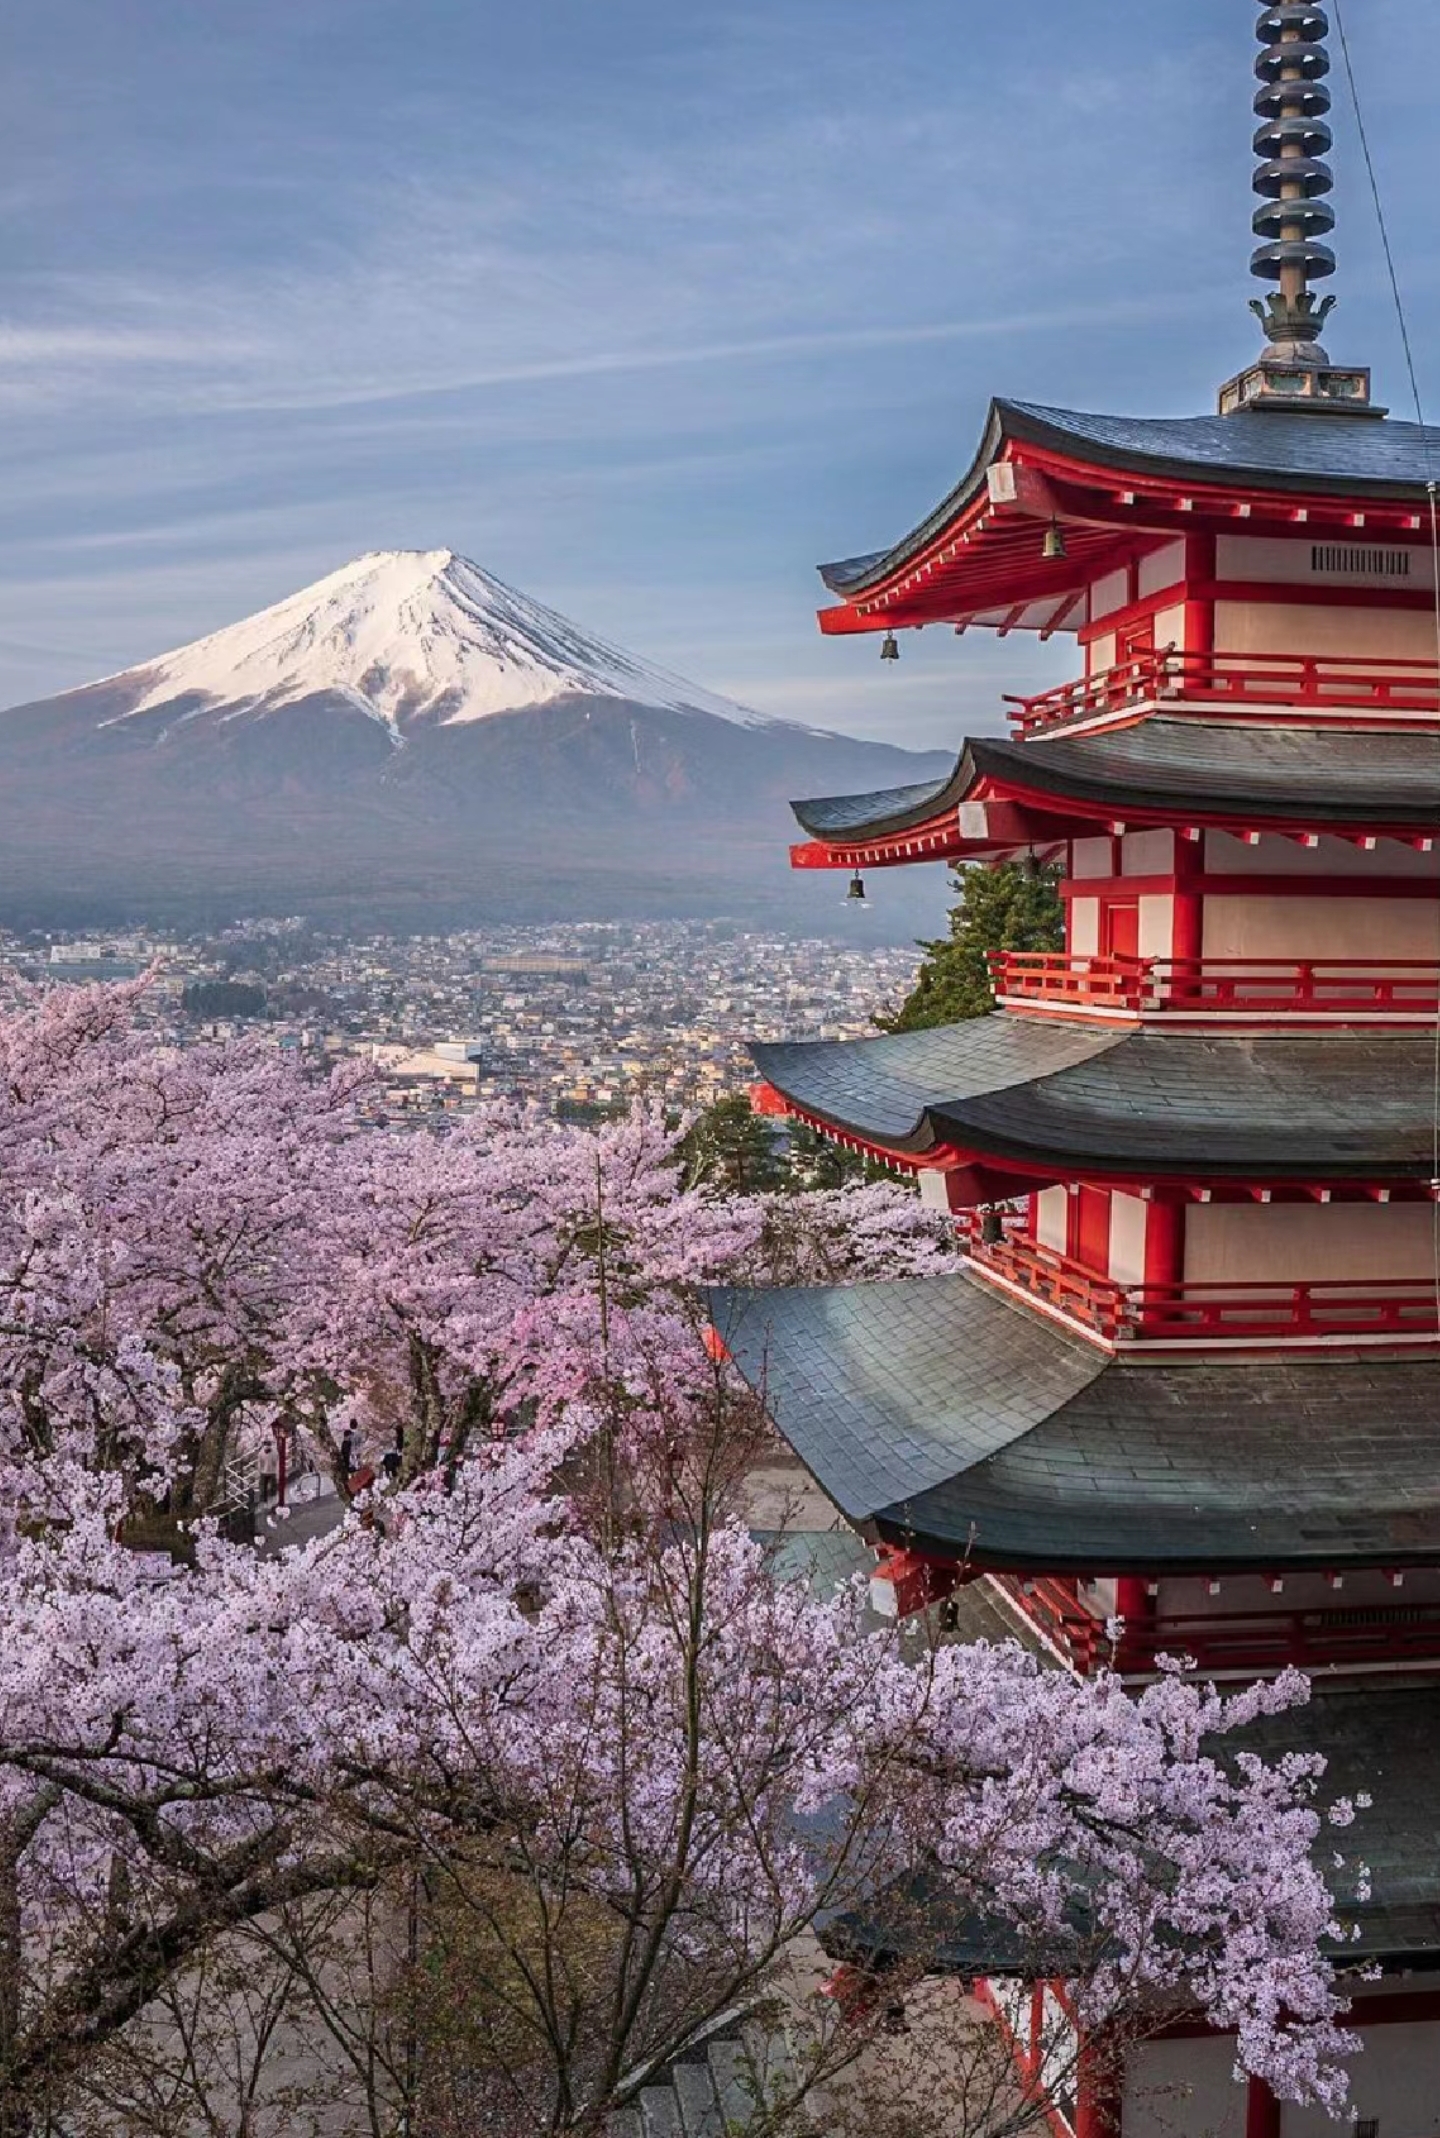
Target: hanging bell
{"type": "Point", "coordinates": [855, 896]}
{"type": "Point", "coordinates": [1053, 548]}
{"type": "Point", "coordinates": [992, 1226]}
{"type": "Point", "coordinates": [890, 647]}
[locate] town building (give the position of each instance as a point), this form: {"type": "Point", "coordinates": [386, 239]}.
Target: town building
{"type": "Point", "coordinates": [1184, 1398]}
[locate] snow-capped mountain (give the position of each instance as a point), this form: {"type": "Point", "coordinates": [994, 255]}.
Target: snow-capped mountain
{"type": "Point", "coordinates": [410, 737]}
{"type": "Point", "coordinates": [411, 636]}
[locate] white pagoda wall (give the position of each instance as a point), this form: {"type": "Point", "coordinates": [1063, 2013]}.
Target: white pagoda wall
{"type": "Point", "coordinates": [1244, 1243]}
{"type": "Point", "coordinates": [1381, 632]}
{"type": "Point", "coordinates": [1376, 929]}
{"type": "Point", "coordinates": [1262, 627]}
{"type": "Point", "coordinates": [1267, 923]}
{"type": "Point", "coordinates": [1140, 854]}
{"type": "Point", "coordinates": [1394, 2081]}
{"type": "Point", "coordinates": [1156, 573]}
{"type": "Point", "coordinates": [1052, 1219]}
{"type": "Point", "coordinates": [1084, 928]}
{"type": "Point", "coordinates": [1185, 2089]}
{"type": "Point", "coordinates": [1288, 560]}
{"type": "Point", "coordinates": [1162, 568]}
{"type": "Point", "coordinates": [1129, 1216]}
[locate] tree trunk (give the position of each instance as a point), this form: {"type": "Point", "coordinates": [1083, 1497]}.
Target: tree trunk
{"type": "Point", "coordinates": [16, 2118]}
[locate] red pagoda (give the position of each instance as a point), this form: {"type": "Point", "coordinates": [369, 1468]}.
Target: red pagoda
{"type": "Point", "coordinates": [1184, 1398]}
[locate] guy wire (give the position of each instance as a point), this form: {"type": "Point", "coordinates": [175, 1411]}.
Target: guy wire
{"type": "Point", "coordinates": [1433, 491]}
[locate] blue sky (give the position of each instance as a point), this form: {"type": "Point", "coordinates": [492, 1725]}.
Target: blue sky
{"type": "Point", "coordinates": [647, 307]}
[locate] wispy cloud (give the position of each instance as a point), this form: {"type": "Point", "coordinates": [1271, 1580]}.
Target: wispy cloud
{"type": "Point", "coordinates": [648, 307]}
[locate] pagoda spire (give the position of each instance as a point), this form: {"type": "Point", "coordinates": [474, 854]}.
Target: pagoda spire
{"type": "Point", "coordinates": [1293, 220]}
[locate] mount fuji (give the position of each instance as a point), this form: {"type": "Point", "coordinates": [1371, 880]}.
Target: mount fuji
{"type": "Point", "coordinates": [409, 736]}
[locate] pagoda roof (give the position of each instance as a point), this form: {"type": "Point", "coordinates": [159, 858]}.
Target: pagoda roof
{"type": "Point", "coordinates": [1378, 1743]}
{"type": "Point", "coordinates": [1310, 455]}
{"type": "Point", "coordinates": [940, 1416]}
{"type": "Point", "coordinates": [1174, 766]}
{"type": "Point", "coordinates": [1049, 1095]}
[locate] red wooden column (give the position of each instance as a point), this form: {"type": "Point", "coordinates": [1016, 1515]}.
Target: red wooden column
{"type": "Point", "coordinates": [1262, 2111]}
{"type": "Point", "coordinates": [1187, 936]}
{"type": "Point", "coordinates": [1099, 2094]}
{"type": "Point", "coordinates": [1200, 569]}
{"type": "Point", "coordinates": [1164, 1253]}
{"type": "Point", "coordinates": [1187, 918]}
{"type": "Point", "coordinates": [1136, 1606]}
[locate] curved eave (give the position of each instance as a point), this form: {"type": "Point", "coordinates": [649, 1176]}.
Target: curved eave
{"type": "Point", "coordinates": [888, 812]}
{"type": "Point", "coordinates": [943, 1419]}
{"type": "Point", "coordinates": [1165, 770]}
{"type": "Point", "coordinates": [885, 1091]}
{"type": "Point", "coordinates": [978, 556]}
{"type": "Point", "coordinates": [1076, 772]}
{"type": "Point", "coordinates": [1051, 1100]}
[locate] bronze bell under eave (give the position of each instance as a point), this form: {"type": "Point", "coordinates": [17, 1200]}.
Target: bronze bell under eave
{"type": "Point", "coordinates": [890, 647]}
{"type": "Point", "coordinates": [855, 896]}
{"type": "Point", "coordinates": [1053, 548]}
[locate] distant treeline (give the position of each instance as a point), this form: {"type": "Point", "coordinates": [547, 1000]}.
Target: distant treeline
{"type": "Point", "coordinates": [211, 999]}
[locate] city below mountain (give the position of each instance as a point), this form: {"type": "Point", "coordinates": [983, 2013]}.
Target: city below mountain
{"type": "Point", "coordinates": [410, 739]}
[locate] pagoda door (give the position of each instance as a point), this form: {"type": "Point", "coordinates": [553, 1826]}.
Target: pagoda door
{"type": "Point", "coordinates": [1134, 651]}
{"type": "Point", "coordinates": [1090, 1230]}
{"type": "Point", "coordinates": [1120, 928]}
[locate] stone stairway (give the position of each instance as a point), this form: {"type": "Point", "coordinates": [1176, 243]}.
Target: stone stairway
{"type": "Point", "coordinates": [717, 2089]}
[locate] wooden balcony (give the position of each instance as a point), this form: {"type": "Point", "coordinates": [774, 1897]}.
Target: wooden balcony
{"type": "Point", "coordinates": [1269, 1314]}
{"type": "Point", "coordinates": [1247, 1644]}
{"type": "Point", "coordinates": [1219, 990]}
{"type": "Point", "coordinates": [1347, 686]}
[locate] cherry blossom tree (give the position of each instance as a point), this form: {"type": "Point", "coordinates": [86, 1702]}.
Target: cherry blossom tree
{"type": "Point", "coordinates": [539, 1690]}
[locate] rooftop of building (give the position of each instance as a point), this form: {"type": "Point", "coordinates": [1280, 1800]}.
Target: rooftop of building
{"type": "Point", "coordinates": [1295, 455]}
{"type": "Point", "coordinates": [1168, 766]}
{"type": "Point", "coordinates": [938, 1415]}
{"type": "Point", "coordinates": [1049, 1094]}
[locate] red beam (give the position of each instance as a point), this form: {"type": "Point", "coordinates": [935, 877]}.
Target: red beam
{"type": "Point", "coordinates": [1258, 886]}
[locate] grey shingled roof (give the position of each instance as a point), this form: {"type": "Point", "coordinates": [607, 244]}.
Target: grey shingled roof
{"type": "Point", "coordinates": [898, 807]}
{"type": "Point", "coordinates": [937, 1412]}
{"type": "Point", "coordinates": [888, 1389]}
{"type": "Point", "coordinates": [1302, 454]}
{"type": "Point", "coordinates": [1176, 1104]}
{"type": "Point", "coordinates": [1167, 764]}
{"type": "Point", "coordinates": [884, 1087]}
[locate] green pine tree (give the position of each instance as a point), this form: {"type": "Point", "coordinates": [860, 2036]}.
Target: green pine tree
{"type": "Point", "coordinates": [731, 1148]}
{"type": "Point", "coordinates": [1013, 907]}
{"type": "Point", "coordinates": [817, 1163]}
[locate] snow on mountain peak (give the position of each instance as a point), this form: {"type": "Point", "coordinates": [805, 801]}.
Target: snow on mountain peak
{"type": "Point", "coordinates": [412, 634]}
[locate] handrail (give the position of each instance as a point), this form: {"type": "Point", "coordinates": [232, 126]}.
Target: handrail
{"type": "Point", "coordinates": [1339, 681]}
{"type": "Point", "coordinates": [1253, 1640]}
{"type": "Point", "coordinates": [1302, 1638]}
{"type": "Point", "coordinates": [1260, 986]}
{"type": "Point", "coordinates": [1264, 1308]}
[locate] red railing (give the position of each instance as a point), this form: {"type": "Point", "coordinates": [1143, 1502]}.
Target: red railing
{"type": "Point", "coordinates": [1247, 1642]}
{"type": "Point", "coordinates": [1253, 1642]}
{"type": "Point", "coordinates": [1340, 682]}
{"type": "Point", "coordinates": [1053, 1604]}
{"type": "Point", "coordinates": [1258, 987]}
{"type": "Point", "coordinates": [1400, 1307]}
{"type": "Point", "coordinates": [1061, 1283]}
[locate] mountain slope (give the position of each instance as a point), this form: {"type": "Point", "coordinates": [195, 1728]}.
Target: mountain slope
{"type": "Point", "coordinates": [409, 636]}
{"type": "Point", "coordinates": [409, 738]}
